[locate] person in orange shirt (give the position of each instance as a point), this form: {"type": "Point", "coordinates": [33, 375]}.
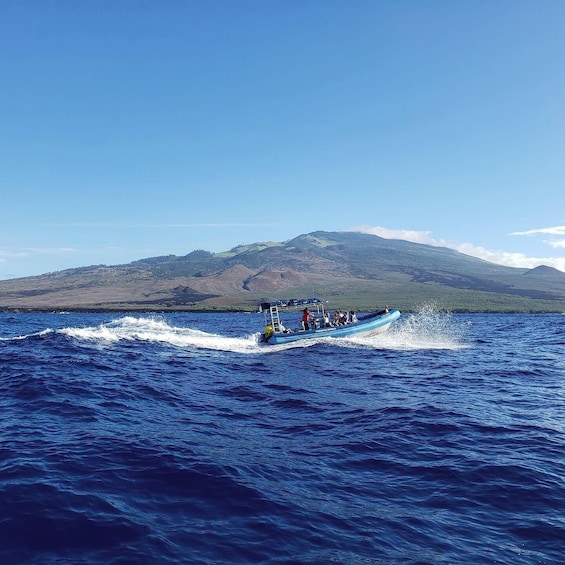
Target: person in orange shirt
{"type": "Point", "coordinates": [306, 317]}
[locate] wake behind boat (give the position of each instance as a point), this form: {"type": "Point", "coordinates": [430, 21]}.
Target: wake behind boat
{"type": "Point", "coordinates": [317, 323]}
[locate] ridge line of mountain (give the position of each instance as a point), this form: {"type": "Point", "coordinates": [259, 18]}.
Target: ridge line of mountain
{"type": "Point", "coordinates": [347, 269]}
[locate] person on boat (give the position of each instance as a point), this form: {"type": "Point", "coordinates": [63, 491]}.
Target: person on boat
{"type": "Point", "coordinates": [354, 317]}
{"type": "Point", "coordinates": [284, 330]}
{"type": "Point", "coordinates": [327, 323]}
{"type": "Point", "coordinates": [306, 317]}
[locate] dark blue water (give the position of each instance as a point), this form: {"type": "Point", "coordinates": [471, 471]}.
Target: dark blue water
{"type": "Point", "coordinates": [180, 439]}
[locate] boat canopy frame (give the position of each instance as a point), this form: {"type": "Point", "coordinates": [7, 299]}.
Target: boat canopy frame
{"type": "Point", "coordinates": [271, 311]}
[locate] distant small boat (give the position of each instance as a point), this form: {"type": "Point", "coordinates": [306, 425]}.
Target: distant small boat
{"type": "Point", "coordinates": [275, 333]}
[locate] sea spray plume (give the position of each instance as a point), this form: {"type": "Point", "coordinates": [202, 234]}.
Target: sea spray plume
{"type": "Point", "coordinates": [427, 328]}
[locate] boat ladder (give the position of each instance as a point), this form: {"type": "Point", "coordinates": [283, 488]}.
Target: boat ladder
{"type": "Point", "coordinates": [275, 319]}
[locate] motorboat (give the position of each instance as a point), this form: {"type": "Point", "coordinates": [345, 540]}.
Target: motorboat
{"type": "Point", "coordinates": [319, 324]}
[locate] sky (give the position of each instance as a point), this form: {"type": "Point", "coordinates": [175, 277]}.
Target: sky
{"type": "Point", "coordinates": [137, 128]}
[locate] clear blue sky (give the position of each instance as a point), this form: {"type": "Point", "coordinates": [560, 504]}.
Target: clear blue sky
{"type": "Point", "coordinates": [130, 129]}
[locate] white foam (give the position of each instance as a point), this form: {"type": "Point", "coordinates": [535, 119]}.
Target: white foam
{"type": "Point", "coordinates": [427, 329]}
{"type": "Point", "coordinates": [26, 336]}
{"type": "Point", "coordinates": [130, 328]}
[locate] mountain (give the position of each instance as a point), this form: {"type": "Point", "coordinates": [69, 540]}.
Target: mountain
{"type": "Point", "coordinates": [349, 270]}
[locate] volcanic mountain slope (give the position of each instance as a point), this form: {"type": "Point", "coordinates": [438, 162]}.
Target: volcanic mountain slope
{"type": "Point", "coordinates": [350, 270]}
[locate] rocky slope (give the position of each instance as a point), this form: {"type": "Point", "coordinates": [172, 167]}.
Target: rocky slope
{"type": "Point", "coordinates": [351, 270]}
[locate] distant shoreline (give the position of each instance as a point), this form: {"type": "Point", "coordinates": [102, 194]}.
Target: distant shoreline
{"type": "Point", "coordinates": [231, 311]}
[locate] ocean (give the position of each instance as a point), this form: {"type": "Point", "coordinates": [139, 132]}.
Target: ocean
{"type": "Point", "coordinates": [178, 438]}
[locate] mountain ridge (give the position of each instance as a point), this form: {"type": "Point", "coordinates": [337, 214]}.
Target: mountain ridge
{"type": "Point", "coordinates": [350, 270]}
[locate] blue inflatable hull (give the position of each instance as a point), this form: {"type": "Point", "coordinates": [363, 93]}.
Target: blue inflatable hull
{"type": "Point", "coordinates": [368, 325]}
